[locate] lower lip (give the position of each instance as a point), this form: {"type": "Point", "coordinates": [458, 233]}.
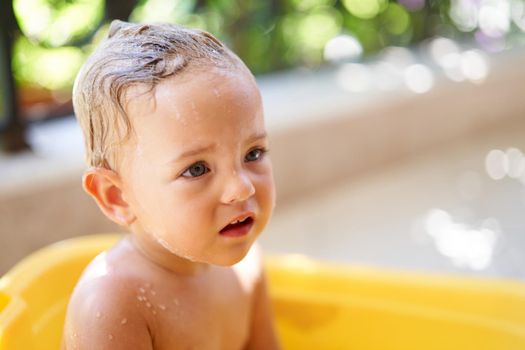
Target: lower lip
{"type": "Point", "coordinates": [238, 231]}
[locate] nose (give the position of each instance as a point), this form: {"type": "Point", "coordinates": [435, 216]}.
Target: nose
{"type": "Point", "coordinates": [238, 188]}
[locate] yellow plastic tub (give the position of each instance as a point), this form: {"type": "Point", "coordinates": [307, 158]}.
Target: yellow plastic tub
{"type": "Point", "coordinates": [316, 305]}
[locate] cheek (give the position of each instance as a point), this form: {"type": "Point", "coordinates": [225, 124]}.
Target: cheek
{"type": "Point", "coordinates": [182, 209]}
{"type": "Point", "coordinates": [148, 200]}
{"type": "Point", "coordinates": [265, 187]}
{"type": "Point", "coordinates": [149, 208]}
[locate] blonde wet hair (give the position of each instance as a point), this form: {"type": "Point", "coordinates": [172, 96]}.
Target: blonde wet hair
{"type": "Point", "coordinates": [131, 55]}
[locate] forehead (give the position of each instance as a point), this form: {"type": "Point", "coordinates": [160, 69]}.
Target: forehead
{"type": "Point", "coordinates": [196, 107]}
{"type": "Point", "coordinates": [213, 89]}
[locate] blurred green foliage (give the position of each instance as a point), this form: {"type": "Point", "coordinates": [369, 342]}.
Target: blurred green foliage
{"type": "Point", "coordinates": [3, 92]}
{"type": "Point", "coordinates": [3, 114]}
{"type": "Point", "coordinates": [268, 35]}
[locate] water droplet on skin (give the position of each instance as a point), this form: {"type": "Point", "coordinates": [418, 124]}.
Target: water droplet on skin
{"type": "Point", "coordinates": [110, 337]}
{"type": "Point", "coordinates": [98, 314]}
{"type": "Point", "coordinates": [162, 307]}
{"type": "Point", "coordinates": [142, 290]}
{"type": "Point", "coordinates": [124, 321]}
{"type": "Point", "coordinates": [148, 304]}
{"type": "Point", "coordinates": [153, 292]}
{"type": "Point", "coordinates": [176, 301]}
{"type": "Point", "coordinates": [154, 312]}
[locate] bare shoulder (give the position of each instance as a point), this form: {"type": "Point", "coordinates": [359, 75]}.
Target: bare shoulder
{"type": "Point", "coordinates": [251, 270]}
{"type": "Point", "coordinates": [103, 311]}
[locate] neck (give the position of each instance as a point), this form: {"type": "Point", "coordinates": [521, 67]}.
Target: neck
{"type": "Point", "coordinates": [156, 253]}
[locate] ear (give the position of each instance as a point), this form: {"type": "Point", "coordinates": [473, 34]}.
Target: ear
{"type": "Point", "coordinates": [105, 187]}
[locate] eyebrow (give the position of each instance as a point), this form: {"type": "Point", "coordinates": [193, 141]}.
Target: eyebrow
{"type": "Point", "coordinates": [257, 137]}
{"type": "Point", "coordinates": [199, 150]}
{"type": "Point", "coordinates": [193, 152]}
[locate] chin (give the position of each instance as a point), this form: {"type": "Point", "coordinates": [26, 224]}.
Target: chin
{"type": "Point", "coordinates": [231, 258]}
{"type": "Point", "coordinates": [226, 262]}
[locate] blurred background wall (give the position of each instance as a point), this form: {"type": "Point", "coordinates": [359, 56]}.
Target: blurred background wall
{"type": "Point", "coordinates": [367, 102]}
{"type": "Point", "coordinates": [49, 39]}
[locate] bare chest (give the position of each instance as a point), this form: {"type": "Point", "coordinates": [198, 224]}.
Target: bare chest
{"type": "Point", "coordinates": [213, 315]}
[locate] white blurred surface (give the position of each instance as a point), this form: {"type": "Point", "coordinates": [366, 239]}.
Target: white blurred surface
{"type": "Point", "coordinates": [437, 211]}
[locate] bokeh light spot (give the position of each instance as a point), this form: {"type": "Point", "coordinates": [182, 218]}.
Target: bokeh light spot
{"type": "Point", "coordinates": [464, 13]}
{"type": "Point", "coordinates": [494, 17]}
{"type": "Point", "coordinates": [342, 47]}
{"type": "Point", "coordinates": [307, 5]}
{"type": "Point", "coordinates": [396, 19]}
{"type": "Point", "coordinates": [440, 47]}
{"type": "Point", "coordinates": [465, 246]}
{"type": "Point", "coordinates": [474, 65]}
{"type": "Point", "coordinates": [54, 23]}
{"type": "Point", "coordinates": [175, 11]}
{"type": "Point", "coordinates": [365, 9]}
{"type": "Point", "coordinates": [419, 78]}
{"type": "Point", "coordinates": [516, 163]}
{"type": "Point", "coordinates": [53, 69]}
{"type": "Point", "coordinates": [496, 164]}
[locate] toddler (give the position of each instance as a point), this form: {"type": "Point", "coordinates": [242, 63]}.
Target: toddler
{"type": "Point", "coordinates": [177, 154]}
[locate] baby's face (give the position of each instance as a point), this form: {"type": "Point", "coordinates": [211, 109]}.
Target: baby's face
{"type": "Point", "coordinates": [197, 164]}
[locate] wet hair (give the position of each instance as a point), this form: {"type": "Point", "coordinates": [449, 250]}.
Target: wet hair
{"type": "Point", "coordinates": [132, 55]}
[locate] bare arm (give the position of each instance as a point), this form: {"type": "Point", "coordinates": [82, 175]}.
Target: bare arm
{"type": "Point", "coordinates": [262, 334]}
{"type": "Point", "coordinates": [105, 317]}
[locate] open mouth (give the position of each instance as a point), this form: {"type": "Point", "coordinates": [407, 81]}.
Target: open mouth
{"type": "Point", "coordinates": [239, 228]}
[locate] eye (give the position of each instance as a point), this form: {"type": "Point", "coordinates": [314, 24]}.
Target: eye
{"type": "Point", "coordinates": [196, 170]}
{"type": "Point", "coordinates": [254, 155]}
